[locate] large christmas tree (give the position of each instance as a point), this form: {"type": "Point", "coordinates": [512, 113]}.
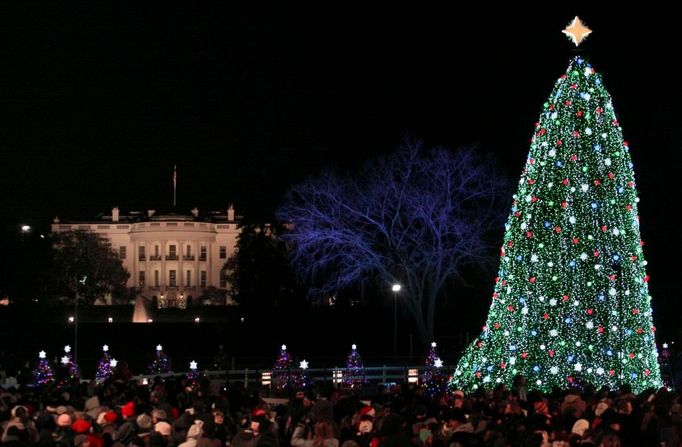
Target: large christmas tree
{"type": "Point", "coordinates": [571, 300]}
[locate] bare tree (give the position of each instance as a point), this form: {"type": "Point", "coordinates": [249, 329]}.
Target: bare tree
{"type": "Point", "coordinates": [416, 217]}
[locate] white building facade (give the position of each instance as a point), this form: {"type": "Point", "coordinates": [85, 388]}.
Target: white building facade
{"type": "Point", "coordinates": [171, 257]}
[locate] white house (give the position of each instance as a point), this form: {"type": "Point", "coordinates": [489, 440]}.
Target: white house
{"type": "Point", "coordinates": [171, 257]}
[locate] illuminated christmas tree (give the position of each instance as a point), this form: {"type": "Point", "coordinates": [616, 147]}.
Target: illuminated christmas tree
{"type": "Point", "coordinates": [73, 372]}
{"type": "Point", "coordinates": [160, 364]}
{"type": "Point", "coordinates": [281, 373]}
{"type": "Point", "coordinates": [571, 301]}
{"type": "Point", "coordinates": [193, 374]}
{"type": "Point", "coordinates": [104, 367]}
{"type": "Point", "coordinates": [302, 380]}
{"type": "Point", "coordinates": [433, 378]}
{"type": "Point", "coordinates": [44, 374]}
{"type": "Point", "coordinates": [355, 371]}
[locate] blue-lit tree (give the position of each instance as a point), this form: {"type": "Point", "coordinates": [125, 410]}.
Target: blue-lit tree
{"type": "Point", "coordinates": [415, 217]}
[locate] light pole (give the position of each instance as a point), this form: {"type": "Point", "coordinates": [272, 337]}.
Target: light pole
{"type": "Point", "coordinates": [395, 288]}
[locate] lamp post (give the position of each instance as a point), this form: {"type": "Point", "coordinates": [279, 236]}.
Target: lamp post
{"type": "Point", "coordinates": [395, 288]}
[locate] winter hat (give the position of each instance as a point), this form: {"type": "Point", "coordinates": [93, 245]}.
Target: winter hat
{"type": "Point", "coordinates": [459, 394]}
{"type": "Point", "coordinates": [81, 426]}
{"type": "Point", "coordinates": [110, 416]}
{"type": "Point", "coordinates": [580, 427]}
{"type": "Point", "coordinates": [128, 410]}
{"type": "Point", "coordinates": [144, 422]}
{"type": "Point", "coordinates": [163, 428]}
{"type": "Point", "coordinates": [196, 429]}
{"type": "Point", "coordinates": [367, 410]}
{"type": "Point", "coordinates": [64, 420]}
{"type": "Point", "coordinates": [601, 408]}
{"type": "Point", "coordinates": [61, 409]}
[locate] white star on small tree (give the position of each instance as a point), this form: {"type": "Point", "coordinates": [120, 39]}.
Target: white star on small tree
{"type": "Point", "coordinates": [67, 349]}
{"type": "Point", "coordinates": [113, 363]}
{"type": "Point", "coordinates": [105, 348]}
{"type": "Point", "coordinates": [193, 365]}
{"type": "Point", "coordinates": [65, 360]}
{"type": "Point", "coordinates": [303, 364]}
{"type": "Point", "coordinates": [42, 355]}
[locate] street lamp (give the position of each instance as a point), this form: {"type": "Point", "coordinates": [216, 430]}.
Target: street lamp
{"type": "Point", "coordinates": [395, 288]}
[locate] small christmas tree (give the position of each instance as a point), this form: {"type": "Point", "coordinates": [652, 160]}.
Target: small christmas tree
{"type": "Point", "coordinates": [161, 363]}
{"type": "Point", "coordinates": [193, 375]}
{"type": "Point", "coordinates": [281, 372]}
{"type": "Point", "coordinates": [44, 374]}
{"type": "Point", "coordinates": [302, 381]}
{"type": "Point", "coordinates": [355, 371]}
{"type": "Point", "coordinates": [104, 367]}
{"type": "Point", "coordinates": [433, 379]}
{"type": "Point", "coordinates": [73, 372]}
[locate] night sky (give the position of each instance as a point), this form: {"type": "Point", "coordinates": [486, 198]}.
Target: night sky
{"type": "Point", "coordinates": [98, 102]}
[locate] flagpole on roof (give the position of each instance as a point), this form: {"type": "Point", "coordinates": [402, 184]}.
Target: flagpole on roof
{"type": "Point", "coordinates": [175, 183]}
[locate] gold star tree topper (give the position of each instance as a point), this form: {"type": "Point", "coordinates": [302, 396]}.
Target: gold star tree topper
{"type": "Point", "coordinates": [577, 31]}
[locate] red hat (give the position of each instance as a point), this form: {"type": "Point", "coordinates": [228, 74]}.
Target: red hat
{"type": "Point", "coordinates": [258, 412]}
{"type": "Point", "coordinates": [128, 410]}
{"type": "Point", "coordinates": [367, 410]}
{"type": "Point", "coordinates": [81, 426]}
{"type": "Point", "coordinates": [110, 416]}
{"type": "Point", "coordinates": [95, 441]}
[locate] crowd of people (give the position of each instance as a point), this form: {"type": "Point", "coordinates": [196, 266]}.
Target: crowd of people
{"type": "Point", "coordinates": [183, 412]}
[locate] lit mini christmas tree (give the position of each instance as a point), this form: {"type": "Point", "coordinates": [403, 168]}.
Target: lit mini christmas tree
{"type": "Point", "coordinates": [355, 371]}
{"type": "Point", "coordinates": [44, 374]}
{"type": "Point", "coordinates": [282, 377]}
{"type": "Point", "coordinates": [69, 363]}
{"type": "Point", "coordinates": [104, 367]}
{"type": "Point", "coordinates": [160, 364]}
{"type": "Point", "coordinates": [193, 375]}
{"type": "Point", "coordinates": [433, 379]}
{"type": "Point", "coordinates": [302, 380]}
{"type": "Point", "coordinates": [571, 300]}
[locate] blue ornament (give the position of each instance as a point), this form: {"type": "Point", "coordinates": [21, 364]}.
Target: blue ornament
{"type": "Point", "coordinates": [570, 358]}
{"type": "Point", "coordinates": [601, 297]}
{"type": "Point", "coordinates": [547, 224]}
{"type": "Point", "coordinates": [594, 205]}
{"type": "Point", "coordinates": [633, 375]}
{"type": "Point", "coordinates": [580, 61]}
{"type": "Point", "coordinates": [597, 147]}
{"type": "Point", "coordinates": [621, 190]}
{"type": "Point", "coordinates": [571, 264]}
{"type": "Point", "coordinates": [536, 368]}
{"type": "Point", "coordinates": [628, 332]}
{"type": "Point", "coordinates": [597, 81]}
{"type": "Point", "coordinates": [533, 332]}
{"type": "Point", "coordinates": [559, 164]}
{"type": "Point", "coordinates": [512, 348]}
{"type": "Point", "coordinates": [615, 257]}
{"type": "Point", "coordinates": [609, 352]}
{"type": "Point", "coordinates": [568, 320]}
{"type": "Point", "coordinates": [519, 258]}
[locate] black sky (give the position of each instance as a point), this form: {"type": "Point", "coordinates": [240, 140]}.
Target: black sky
{"type": "Point", "coordinates": [98, 101]}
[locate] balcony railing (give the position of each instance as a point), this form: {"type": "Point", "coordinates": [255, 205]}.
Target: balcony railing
{"type": "Point", "coordinates": [188, 258]}
{"type": "Point", "coordinates": [202, 258]}
{"type": "Point", "coordinates": [141, 258]}
{"type": "Point", "coordinates": [155, 258]}
{"type": "Point", "coordinates": [171, 257]}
